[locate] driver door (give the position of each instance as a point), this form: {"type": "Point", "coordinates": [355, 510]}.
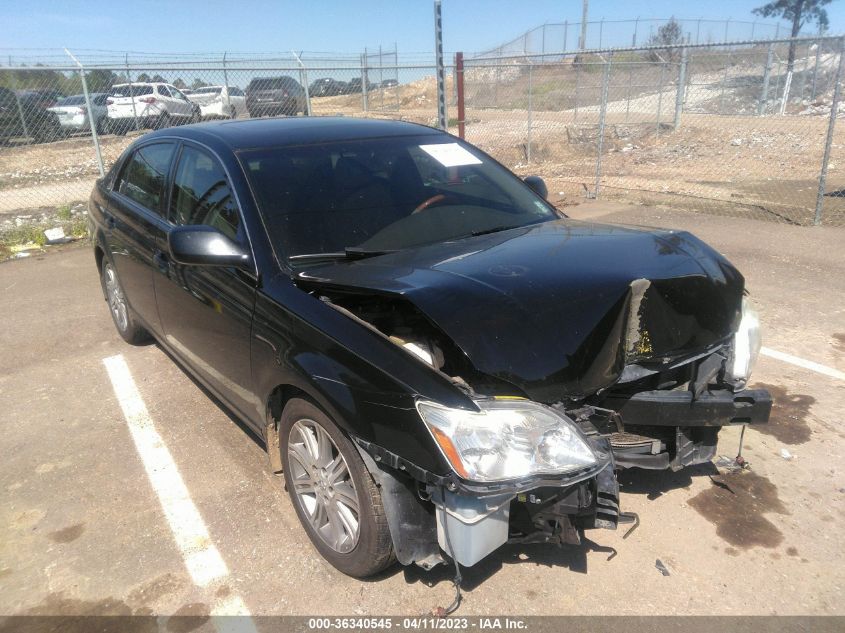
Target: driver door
{"type": "Point", "coordinates": [206, 311]}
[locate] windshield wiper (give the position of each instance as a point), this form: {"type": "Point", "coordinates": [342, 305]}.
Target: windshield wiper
{"type": "Point", "coordinates": [350, 252]}
{"type": "Point", "coordinates": [356, 252]}
{"type": "Point", "coordinates": [495, 229]}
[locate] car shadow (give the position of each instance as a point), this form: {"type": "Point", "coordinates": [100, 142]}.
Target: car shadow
{"type": "Point", "coordinates": [655, 483]}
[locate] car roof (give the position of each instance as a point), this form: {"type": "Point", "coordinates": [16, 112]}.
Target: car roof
{"type": "Point", "coordinates": [276, 132]}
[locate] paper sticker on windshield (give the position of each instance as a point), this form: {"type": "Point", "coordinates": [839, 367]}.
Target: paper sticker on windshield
{"type": "Point", "coordinates": [450, 154]}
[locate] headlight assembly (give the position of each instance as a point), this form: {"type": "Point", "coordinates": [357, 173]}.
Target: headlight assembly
{"type": "Point", "coordinates": [746, 344]}
{"type": "Point", "coordinates": [507, 439]}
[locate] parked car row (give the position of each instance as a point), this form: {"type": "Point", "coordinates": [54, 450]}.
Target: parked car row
{"type": "Point", "coordinates": [45, 115]}
{"type": "Point", "coordinates": [328, 87]}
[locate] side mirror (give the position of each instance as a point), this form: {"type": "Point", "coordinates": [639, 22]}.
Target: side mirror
{"type": "Point", "coordinates": [538, 185]}
{"type": "Point", "coordinates": [206, 246]}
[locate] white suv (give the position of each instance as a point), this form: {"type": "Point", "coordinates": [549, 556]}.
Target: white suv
{"type": "Point", "coordinates": [152, 105]}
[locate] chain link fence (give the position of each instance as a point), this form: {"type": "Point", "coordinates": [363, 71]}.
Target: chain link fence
{"type": "Point", "coordinates": [598, 34]}
{"type": "Point", "coordinates": [727, 129]}
{"type": "Point", "coordinates": [56, 135]}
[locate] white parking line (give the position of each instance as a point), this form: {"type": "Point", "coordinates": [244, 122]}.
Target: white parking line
{"type": "Point", "coordinates": [202, 559]}
{"type": "Point", "coordinates": [800, 362]}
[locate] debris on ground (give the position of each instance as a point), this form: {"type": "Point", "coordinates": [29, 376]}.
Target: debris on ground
{"type": "Point", "coordinates": [661, 567]}
{"type": "Point", "coordinates": [785, 454]}
{"type": "Point", "coordinates": [55, 235]}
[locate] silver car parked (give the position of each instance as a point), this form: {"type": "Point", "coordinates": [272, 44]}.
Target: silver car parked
{"type": "Point", "coordinates": [74, 116]}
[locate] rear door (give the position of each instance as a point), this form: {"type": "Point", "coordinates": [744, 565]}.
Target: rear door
{"type": "Point", "coordinates": [135, 226]}
{"type": "Point", "coordinates": [206, 311]}
{"type": "Point", "coordinates": [180, 102]}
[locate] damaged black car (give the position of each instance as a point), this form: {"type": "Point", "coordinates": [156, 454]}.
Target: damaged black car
{"type": "Point", "coordinates": [439, 361]}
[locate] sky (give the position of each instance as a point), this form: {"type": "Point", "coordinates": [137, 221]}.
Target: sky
{"type": "Point", "coordinates": [345, 26]}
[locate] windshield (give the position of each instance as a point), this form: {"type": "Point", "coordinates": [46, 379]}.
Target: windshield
{"type": "Point", "coordinates": [384, 194]}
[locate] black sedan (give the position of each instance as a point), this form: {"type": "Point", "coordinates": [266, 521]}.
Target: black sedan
{"type": "Point", "coordinates": [440, 361]}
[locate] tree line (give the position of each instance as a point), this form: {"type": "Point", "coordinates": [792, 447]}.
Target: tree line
{"type": "Point", "coordinates": [40, 77]}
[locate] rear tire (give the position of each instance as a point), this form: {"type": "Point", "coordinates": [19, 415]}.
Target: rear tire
{"type": "Point", "coordinates": [326, 478]}
{"type": "Point", "coordinates": [123, 317]}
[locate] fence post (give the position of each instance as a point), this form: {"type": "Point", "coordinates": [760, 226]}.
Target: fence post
{"type": "Point", "coordinates": [636, 25]}
{"type": "Point", "coordinates": [364, 81]}
{"type": "Point", "coordinates": [438, 54]}
{"type": "Point", "coordinates": [380, 79]}
{"type": "Point", "coordinates": [459, 81]}
{"type": "Point", "coordinates": [764, 94]}
{"type": "Point", "coordinates": [577, 81]}
{"type": "Point", "coordinates": [785, 98]}
{"type": "Point", "coordinates": [226, 83]}
{"type": "Point", "coordinates": [605, 84]}
{"type": "Point", "coordinates": [565, 32]}
{"type": "Point", "coordinates": [91, 121]}
{"type": "Point", "coordinates": [679, 95]}
{"type": "Point", "coordinates": [303, 78]}
{"type": "Point", "coordinates": [528, 150]}
{"type": "Point", "coordinates": [834, 107]}
{"type": "Point", "coordinates": [697, 30]}
{"type": "Point", "coordinates": [601, 29]}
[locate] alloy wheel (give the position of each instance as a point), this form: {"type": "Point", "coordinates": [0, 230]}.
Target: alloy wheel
{"type": "Point", "coordinates": [117, 302]}
{"type": "Point", "coordinates": [323, 485]}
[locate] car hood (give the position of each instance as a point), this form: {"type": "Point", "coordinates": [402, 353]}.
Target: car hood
{"type": "Point", "coordinates": [558, 309]}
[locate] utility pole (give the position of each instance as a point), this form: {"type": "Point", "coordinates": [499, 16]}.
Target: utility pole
{"type": "Point", "coordinates": [584, 13]}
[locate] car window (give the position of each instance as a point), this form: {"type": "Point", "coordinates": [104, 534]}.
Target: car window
{"type": "Point", "coordinates": [178, 93]}
{"type": "Point", "coordinates": [74, 100]}
{"type": "Point", "coordinates": [143, 177]}
{"type": "Point", "coordinates": [101, 99]}
{"type": "Point", "coordinates": [136, 91]}
{"type": "Point", "coordinates": [236, 92]}
{"type": "Point", "coordinates": [162, 90]}
{"type": "Point", "coordinates": [201, 194]}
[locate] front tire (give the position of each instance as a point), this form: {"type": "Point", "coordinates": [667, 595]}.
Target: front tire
{"type": "Point", "coordinates": [333, 494]}
{"type": "Point", "coordinates": [124, 319]}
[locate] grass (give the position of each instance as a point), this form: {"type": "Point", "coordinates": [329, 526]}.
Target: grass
{"type": "Point", "coordinates": [74, 226]}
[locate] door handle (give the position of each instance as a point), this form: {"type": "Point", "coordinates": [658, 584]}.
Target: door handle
{"type": "Point", "coordinates": [161, 261]}
{"type": "Point", "coordinates": [109, 219]}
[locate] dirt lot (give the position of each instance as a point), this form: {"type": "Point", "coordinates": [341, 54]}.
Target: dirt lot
{"type": "Point", "coordinates": [81, 530]}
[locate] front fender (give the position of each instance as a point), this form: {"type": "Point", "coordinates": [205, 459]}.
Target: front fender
{"type": "Point", "coordinates": [361, 379]}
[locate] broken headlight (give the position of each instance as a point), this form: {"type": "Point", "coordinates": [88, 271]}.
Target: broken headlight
{"type": "Point", "coordinates": [746, 344]}
{"type": "Point", "coordinates": [507, 439]}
